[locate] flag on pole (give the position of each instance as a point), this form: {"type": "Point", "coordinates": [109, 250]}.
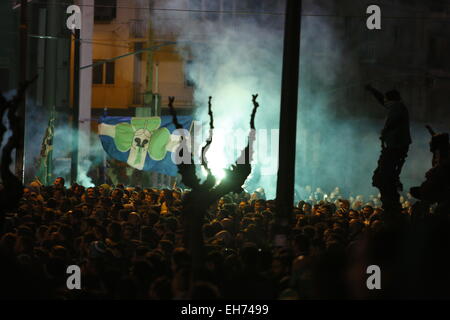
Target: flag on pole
{"type": "Point", "coordinates": [44, 173]}
{"type": "Point", "coordinates": [144, 143]}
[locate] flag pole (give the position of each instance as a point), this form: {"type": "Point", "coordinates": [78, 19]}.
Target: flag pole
{"type": "Point", "coordinates": [45, 163]}
{"type": "Point", "coordinates": [75, 106]}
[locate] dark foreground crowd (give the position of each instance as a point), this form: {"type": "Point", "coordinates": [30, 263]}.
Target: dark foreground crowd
{"type": "Point", "coordinates": [128, 243]}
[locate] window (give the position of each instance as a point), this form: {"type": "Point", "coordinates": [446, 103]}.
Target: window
{"type": "Point", "coordinates": [97, 73]}
{"type": "Point", "coordinates": [110, 70]}
{"type": "Point", "coordinates": [103, 73]}
{"type": "Point", "coordinates": [105, 10]}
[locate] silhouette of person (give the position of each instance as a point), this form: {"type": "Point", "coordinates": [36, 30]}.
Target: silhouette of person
{"type": "Point", "coordinates": [437, 184]}
{"type": "Point", "coordinates": [395, 140]}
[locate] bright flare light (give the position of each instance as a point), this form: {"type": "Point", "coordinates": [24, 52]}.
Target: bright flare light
{"type": "Point", "coordinates": [218, 173]}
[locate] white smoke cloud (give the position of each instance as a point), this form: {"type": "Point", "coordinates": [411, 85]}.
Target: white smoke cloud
{"type": "Point", "coordinates": [232, 61]}
{"type": "Point", "coordinates": [62, 155]}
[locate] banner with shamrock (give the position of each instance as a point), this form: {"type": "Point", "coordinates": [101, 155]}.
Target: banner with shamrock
{"type": "Point", "coordinates": [143, 143]}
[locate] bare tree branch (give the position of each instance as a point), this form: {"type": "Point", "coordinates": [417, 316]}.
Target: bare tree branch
{"type": "Point", "coordinates": [210, 179]}
{"type": "Point", "coordinates": [255, 106]}
{"type": "Point", "coordinates": [186, 170]}
{"type": "Point", "coordinates": [242, 168]}
{"type": "Point", "coordinates": [196, 203]}
{"type": "Point", "coordinates": [209, 140]}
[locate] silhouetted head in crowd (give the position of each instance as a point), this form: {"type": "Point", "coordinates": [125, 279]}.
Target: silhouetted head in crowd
{"type": "Point", "coordinates": [59, 183]}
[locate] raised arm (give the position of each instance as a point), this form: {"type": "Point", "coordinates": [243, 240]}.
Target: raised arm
{"type": "Point", "coordinates": [377, 94]}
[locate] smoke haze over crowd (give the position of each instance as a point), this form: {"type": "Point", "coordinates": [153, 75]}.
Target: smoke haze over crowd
{"type": "Point", "coordinates": [234, 59]}
{"type": "Point", "coordinates": [238, 57]}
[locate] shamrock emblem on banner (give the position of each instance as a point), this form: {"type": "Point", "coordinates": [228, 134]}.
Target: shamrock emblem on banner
{"type": "Point", "coordinates": [142, 136]}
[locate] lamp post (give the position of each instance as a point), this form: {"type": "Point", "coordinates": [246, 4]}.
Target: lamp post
{"type": "Point", "coordinates": [288, 112]}
{"type": "Point", "coordinates": [20, 151]}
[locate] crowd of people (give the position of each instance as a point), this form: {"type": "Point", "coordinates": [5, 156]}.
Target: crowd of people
{"type": "Point", "coordinates": [130, 244]}
{"type": "Point", "coordinates": [356, 202]}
